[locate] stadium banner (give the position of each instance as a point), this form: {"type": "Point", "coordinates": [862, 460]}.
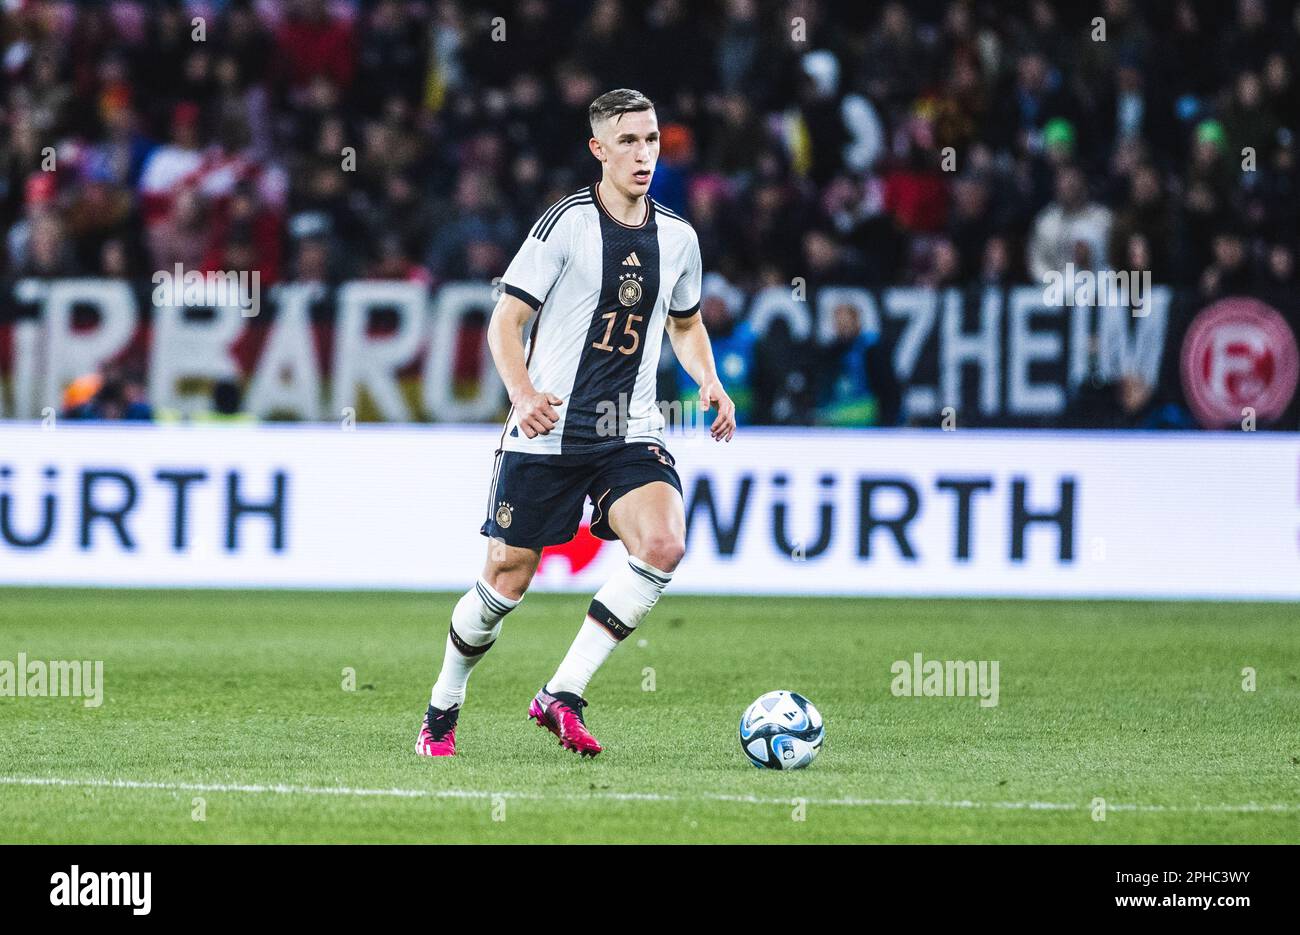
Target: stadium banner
{"type": "Point", "coordinates": [399, 351]}
{"type": "Point", "coordinates": [888, 512]}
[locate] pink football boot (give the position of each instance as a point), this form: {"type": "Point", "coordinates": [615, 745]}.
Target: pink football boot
{"type": "Point", "coordinates": [438, 732]}
{"type": "Point", "coordinates": [561, 714]}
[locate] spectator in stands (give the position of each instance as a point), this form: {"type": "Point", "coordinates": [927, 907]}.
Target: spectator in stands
{"type": "Point", "coordinates": [313, 44]}
{"type": "Point", "coordinates": [118, 397]}
{"type": "Point", "coordinates": [394, 262]}
{"type": "Point", "coordinates": [1279, 275]}
{"type": "Point", "coordinates": [995, 265]}
{"type": "Point", "coordinates": [1229, 273]}
{"type": "Point", "coordinates": [1144, 214]}
{"type": "Point", "coordinates": [857, 386]}
{"type": "Point", "coordinates": [971, 222]}
{"type": "Point", "coordinates": [98, 210]}
{"type": "Point", "coordinates": [1126, 403]}
{"type": "Point", "coordinates": [181, 234]}
{"type": "Point", "coordinates": [401, 210]}
{"type": "Point", "coordinates": [171, 168]}
{"type": "Point", "coordinates": [39, 209]}
{"type": "Point", "coordinates": [733, 343]}
{"type": "Point", "coordinates": [314, 257]}
{"type": "Point", "coordinates": [246, 235]}
{"type": "Point", "coordinates": [820, 157]}
{"type": "Point", "coordinates": [1071, 229]}
{"type": "Point", "coordinates": [784, 385]}
{"type": "Point", "coordinates": [117, 260]}
{"type": "Point", "coordinates": [916, 191]}
{"type": "Point", "coordinates": [227, 406]}
{"type": "Point", "coordinates": [476, 219]}
{"type": "Point", "coordinates": [49, 254]}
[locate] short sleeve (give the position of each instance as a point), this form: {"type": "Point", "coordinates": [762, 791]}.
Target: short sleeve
{"type": "Point", "coordinates": [685, 300]}
{"type": "Point", "coordinates": [539, 262]}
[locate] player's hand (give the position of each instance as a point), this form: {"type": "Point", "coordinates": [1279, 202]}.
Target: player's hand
{"type": "Point", "coordinates": [724, 426]}
{"type": "Point", "coordinates": [537, 415]}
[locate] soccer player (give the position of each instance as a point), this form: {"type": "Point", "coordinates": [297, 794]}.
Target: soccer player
{"type": "Point", "coordinates": [607, 270]}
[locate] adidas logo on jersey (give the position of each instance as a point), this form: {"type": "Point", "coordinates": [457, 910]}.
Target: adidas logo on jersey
{"type": "Point", "coordinates": [632, 259]}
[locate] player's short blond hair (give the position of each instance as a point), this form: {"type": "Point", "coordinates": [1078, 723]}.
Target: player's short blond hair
{"type": "Point", "coordinates": [615, 103]}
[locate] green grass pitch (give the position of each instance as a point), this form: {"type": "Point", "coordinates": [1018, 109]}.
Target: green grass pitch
{"type": "Point", "coordinates": [237, 699]}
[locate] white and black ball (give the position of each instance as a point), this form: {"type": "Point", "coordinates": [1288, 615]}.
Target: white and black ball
{"type": "Point", "coordinates": [781, 730]}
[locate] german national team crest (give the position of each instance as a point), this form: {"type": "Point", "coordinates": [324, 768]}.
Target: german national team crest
{"type": "Point", "coordinates": [505, 513]}
{"type": "Point", "coordinates": [629, 290]}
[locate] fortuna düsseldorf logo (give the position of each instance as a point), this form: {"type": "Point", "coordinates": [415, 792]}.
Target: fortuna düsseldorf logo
{"type": "Point", "coordinates": [1239, 353]}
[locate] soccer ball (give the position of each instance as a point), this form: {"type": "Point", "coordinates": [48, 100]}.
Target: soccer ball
{"type": "Point", "coordinates": [781, 730]}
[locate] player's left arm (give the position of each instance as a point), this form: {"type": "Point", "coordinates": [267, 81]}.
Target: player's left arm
{"type": "Point", "coordinates": [690, 343]}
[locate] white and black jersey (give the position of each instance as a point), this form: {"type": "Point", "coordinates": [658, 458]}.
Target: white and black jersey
{"type": "Point", "coordinates": [603, 291]}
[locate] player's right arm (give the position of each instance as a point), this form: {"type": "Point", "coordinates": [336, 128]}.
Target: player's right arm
{"type": "Point", "coordinates": [536, 409]}
{"type": "Point", "coordinates": [526, 284]}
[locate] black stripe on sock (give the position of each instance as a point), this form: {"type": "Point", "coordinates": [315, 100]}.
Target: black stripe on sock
{"type": "Point", "coordinates": [483, 596]}
{"type": "Point", "coordinates": [464, 648]}
{"type": "Point", "coordinates": [649, 575]}
{"type": "Point", "coordinates": [605, 617]}
{"type": "Point", "coordinates": [492, 603]}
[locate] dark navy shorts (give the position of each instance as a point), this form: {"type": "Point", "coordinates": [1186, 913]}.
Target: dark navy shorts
{"type": "Point", "coordinates": [536, 500]}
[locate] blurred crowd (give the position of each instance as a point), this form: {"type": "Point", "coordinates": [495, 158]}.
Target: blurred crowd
{"type": "Point", "coordinates": [932, 143]}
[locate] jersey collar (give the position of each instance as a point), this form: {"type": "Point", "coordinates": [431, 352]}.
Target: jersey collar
{"type": "Point", "coordinates": [649, 209]}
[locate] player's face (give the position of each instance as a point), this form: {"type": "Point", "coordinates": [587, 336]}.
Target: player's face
{"type": "Point", "coordinates": [629, 145]}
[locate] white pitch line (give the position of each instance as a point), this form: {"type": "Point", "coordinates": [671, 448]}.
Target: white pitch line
{"type": "Point", "coordinates": [283, 789]}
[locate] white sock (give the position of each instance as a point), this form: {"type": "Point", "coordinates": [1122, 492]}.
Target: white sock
{"type": "Point", "coordinates": [617, 609]}
{"type": "Point", "coordinates": [475, 624]}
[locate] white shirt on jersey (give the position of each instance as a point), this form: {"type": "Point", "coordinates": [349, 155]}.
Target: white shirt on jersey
{"type": "Point", "coordinates": [604, 291]}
